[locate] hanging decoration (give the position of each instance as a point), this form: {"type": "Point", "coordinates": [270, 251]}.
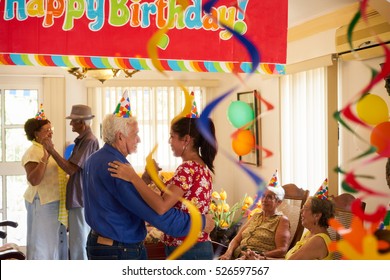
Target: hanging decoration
{"type": "Point", "coordinates": [359, 242]}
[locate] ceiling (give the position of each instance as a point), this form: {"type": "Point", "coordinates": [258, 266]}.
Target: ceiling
{"type": "Point", "coordinates": [301, 11]}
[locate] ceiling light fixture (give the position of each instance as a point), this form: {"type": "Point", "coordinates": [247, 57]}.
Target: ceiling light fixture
{"type": "Point", "coordinates": [101, 74]}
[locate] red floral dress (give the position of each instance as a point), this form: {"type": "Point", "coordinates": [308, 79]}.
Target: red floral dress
{"type": "Point", "coordinates": [196, 182]}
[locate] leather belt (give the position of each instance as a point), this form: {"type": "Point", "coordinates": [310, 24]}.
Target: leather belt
{"type": "Point", "coordinates": [110, 242]}
{"type": "Point", "coordinates": [101, 239]}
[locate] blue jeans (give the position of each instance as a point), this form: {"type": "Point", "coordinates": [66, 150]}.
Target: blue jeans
{"type": "Point", "coordinates": [200, 251]}
{"type": "Point", "coordinates": [78, 232]}
{"type": "Point", "coordinates": [116, 251]}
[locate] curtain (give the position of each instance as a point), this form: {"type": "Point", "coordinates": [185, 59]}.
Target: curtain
{"type": "Point", "coordinates": [304, 129]}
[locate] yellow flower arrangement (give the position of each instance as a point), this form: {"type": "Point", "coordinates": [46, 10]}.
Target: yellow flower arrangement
{"type": "Point", "coordinates": [224, 215]}
{"type": "Point", "coordinates": [255, 209]}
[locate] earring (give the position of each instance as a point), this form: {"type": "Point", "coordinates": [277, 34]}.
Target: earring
{"type": "Point", "coordinates": [184, 148]}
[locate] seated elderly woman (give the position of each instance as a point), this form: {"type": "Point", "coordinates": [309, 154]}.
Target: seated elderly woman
{"type": "Point", "coordinates": [314, 243]}
{"type": "Point", "coordinates": [266, 232]}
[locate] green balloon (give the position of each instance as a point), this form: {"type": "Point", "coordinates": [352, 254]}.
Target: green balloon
{"type": "Point", "coordinates": [240, 113]}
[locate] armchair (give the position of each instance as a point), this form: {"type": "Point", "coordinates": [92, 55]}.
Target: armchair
{"type": "Point", "coordinates": [343, 214]}
{"type": "Point", "coordinates": [294, 199]}
{"type": "Point", "coordinates": [10, 251]}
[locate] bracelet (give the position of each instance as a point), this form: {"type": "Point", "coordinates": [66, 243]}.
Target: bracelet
{"type": "Point", "coordinates": [44, 162]}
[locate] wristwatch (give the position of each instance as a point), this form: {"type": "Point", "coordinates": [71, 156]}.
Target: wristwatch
{"type": "Point", "coordinates": [263, 254]}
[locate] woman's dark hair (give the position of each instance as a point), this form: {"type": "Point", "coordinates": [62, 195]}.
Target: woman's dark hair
{"type": "Point", "coordinates": [325, 207]}
{"type": "Point", "coordinates": [188, 126]}
{"type": "Point", "coordinates": [32, 125]}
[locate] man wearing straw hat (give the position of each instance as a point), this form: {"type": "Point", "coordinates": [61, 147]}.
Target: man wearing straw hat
{"type": "Point", "coordinates": [85, 144]}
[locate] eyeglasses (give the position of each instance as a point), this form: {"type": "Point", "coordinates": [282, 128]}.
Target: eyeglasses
{"type": "Point", "coordinates": [47, 130]}
{"type": "Point", "coordinates": [268, 197]}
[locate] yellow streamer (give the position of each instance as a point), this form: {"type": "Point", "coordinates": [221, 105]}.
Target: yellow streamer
{"type": "Point", "coordinates": [196, 219]}
{"type": "Point", "coordinates": [152, 45]}
{"type": "Point", "coordinates": [152, 48]}
{"type": "Point", "coordinates": [187, 106]}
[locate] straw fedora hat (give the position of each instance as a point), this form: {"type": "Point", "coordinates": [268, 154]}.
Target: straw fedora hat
{"type": "Point", "coordinates": [80, 112]}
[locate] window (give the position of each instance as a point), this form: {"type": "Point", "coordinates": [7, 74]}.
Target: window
{"type": "Point", "coordinates": [304, 129]}
{"type": "Point", "coordinates": [154, 108]}
{"type": "Point", "coordinates": [17, 105]}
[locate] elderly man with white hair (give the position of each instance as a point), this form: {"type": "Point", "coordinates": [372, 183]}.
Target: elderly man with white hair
{"type": "Point", "coordinates": [266, 232]}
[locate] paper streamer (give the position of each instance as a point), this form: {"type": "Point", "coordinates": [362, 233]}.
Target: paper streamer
{"type": "Point", "coordinates": [203, 120]}
{"type": "Point", "coordinates": [375, 217]}
{"type": "Point", "coordinates": [358, 243]}
{"type": "Point", "coordinates": [196, 223]}
{"type": "Point", "coordinates": [352, 244]}
{"type": "Point", "coordinates": [369, 251]}
{"type": "Point", "coordinates": [350, 182]}
{"type": "Point", "coordinates": [196, 218]}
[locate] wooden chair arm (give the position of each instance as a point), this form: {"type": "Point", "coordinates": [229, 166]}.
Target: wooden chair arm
{"type": "Point", "coordinates": [3, 234]}
{"type": "Point", "coordinates": [12, 254]}
{"type": "Point", "coordinates": [9, 224]}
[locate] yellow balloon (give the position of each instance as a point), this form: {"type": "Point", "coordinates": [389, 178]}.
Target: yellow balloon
{"type": "Point", "coordinates": [372, 109]}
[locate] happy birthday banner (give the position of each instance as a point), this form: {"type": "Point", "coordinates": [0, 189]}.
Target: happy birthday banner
{"type": "Point", "coordinates": [105, 34]}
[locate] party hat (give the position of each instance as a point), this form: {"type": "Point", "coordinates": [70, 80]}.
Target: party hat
{"type": "Point", "coordinates": [275, 187]}
{"type": "Point", "coordinates": [274, 182]}
{"type": "Point", "coordinates": [123, 109]}
{"type": "Point", "coordinates": [194, 110]}
{"type": "Point", "coordinates": [41, 113]}
{"type": "Point", "coordinates": [322, 192]}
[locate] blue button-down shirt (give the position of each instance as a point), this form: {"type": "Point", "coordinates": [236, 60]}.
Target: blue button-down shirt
{"type": "Point", "coordinates": [113, 207]}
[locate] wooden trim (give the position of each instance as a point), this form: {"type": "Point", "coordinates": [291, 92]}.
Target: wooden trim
{"type": "Point", "coordinates": [322, 61]}
{"type": "Point", "coordinates": [319, 24]}
{"type": "Point", "coordinates": [54, 92]}
{"type": "Point", "coordinates": [333, 129]}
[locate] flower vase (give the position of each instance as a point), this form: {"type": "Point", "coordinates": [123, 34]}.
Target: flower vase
{"type": "Point", "coordinates": [224, 235]}
{"type": "Point", "coordinates": [220, 235]}
{"type": "Point", "coordinates": [222, 238]}
{"type": "Point", "coordinates": [233, 230]}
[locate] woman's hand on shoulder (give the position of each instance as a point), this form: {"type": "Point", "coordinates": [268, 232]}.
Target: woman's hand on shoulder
{"type": "Point", "coordinates": [122, 171]}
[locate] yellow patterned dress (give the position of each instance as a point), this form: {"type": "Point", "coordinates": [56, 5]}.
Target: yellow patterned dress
{"type": "Point", "coordinates": [259, 234]}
